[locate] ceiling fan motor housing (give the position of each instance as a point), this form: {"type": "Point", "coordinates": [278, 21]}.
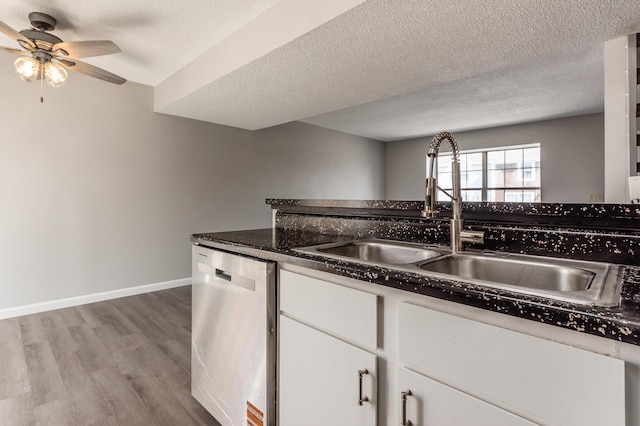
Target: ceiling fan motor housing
{"type": "Point", "coordinates": [40, 38]}
{"type": "Point", "coordinates": [41, 22]}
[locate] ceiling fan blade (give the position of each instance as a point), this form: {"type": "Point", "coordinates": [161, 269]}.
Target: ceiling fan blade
{"type": "Point", "coordinates": [91, 71]}
{"type": "Point", "coordinates": [16, 51]}
{"type": "Point", "coordinates": [10, 32]}
{"type": "Point", "coordinates": [85, 49]}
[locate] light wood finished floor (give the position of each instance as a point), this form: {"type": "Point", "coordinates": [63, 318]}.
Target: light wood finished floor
{"type": "Point", "coordinates": [120, 362]}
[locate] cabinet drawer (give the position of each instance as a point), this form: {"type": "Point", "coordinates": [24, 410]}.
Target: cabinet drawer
{"type": "Point", "coordinates": [547, 382]}
{"type": "Point", "coordinates": [342, 311]}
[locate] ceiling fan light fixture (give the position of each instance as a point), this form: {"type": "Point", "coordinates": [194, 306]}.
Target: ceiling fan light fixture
{"type": "Point", "coordinates": [55, 74]}
{"type": "Point", "coordinates": [47, 57]}
{"type": "Point", "coordinates": [27, 68]}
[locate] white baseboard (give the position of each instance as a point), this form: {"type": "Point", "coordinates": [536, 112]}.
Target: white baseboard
{"type": "Point", "coordinates": [89, 298]}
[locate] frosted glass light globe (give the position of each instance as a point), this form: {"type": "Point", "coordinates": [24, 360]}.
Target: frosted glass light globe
{"type": "Point", "coordinates": [27, 68]}
{"type": "Point", "coordinates": [55, 74]}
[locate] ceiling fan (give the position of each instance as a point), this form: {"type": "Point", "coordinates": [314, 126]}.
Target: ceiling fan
{"type": "Point", "coordinates": [46, 57]}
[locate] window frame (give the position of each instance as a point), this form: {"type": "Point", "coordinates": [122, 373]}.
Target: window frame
{"type": "Point", "coordinates": [484, 189]}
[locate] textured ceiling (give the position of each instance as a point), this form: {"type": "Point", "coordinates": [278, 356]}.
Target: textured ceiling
{"type": "Point", "coordinates": [551, 87]}
{"type": "Point", "coordinates": [383, 69]}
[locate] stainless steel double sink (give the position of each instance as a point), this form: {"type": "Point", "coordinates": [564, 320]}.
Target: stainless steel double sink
{"type": "Point", "coordinates": [576, 281]}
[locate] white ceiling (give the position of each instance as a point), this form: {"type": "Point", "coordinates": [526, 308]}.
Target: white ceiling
{"type": "Point", "coordinates": [383, 69]}
{"type": "Point", "coordinates": [551, 87]}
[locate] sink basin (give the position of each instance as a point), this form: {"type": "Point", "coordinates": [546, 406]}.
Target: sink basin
{"type": "Point", "coordinates": [518, 272]}
{"type": "Point", "coordinates": [570, 280]}
{"type": "Point", "coordinates": [575, 281]}
{"type": "Point", "coordinates": [378, 252]}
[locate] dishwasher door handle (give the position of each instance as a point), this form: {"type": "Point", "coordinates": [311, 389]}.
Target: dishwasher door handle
{"type": "Point", "coordinates": [235, 279]}
{"type": "Point", "coordinates": [224, 275]}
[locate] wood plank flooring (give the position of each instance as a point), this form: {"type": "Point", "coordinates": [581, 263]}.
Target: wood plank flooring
{"type": "Point", "coordinates": [123, 362]}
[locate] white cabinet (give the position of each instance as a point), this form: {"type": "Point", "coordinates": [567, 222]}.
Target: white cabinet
{"type": "Point", "coordinates": [349, 314]}
{"type": "Point", "coordinates": [327, 368]}
{"type": "Point", "coordinates": [544, 381]}
{"type": "Point", "coordinates": [319, 380]}
{"type": "Point", "coordinates": [460, 371]}
{"type": "Point", "coordinates": [424, 401]}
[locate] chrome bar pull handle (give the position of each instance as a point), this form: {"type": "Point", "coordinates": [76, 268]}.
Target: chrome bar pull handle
{"type": "Point", "coordinates": [404, 394]}
{"type": "Point", "coordinates": [361, 398]}
{"type": "Point", "coordinates": [224, 275]}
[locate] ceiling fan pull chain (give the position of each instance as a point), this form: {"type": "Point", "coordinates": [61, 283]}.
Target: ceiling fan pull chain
{"type": "Point", "coordinates": [41, 83]}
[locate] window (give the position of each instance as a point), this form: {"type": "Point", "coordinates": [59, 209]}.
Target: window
{"type": "Point", "coordinates": [506, 174]}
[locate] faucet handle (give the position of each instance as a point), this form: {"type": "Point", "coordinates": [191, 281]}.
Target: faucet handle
{"type": "Point", "coordinates": [473, 237]}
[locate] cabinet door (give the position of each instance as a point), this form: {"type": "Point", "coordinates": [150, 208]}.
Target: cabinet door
{"type": "Point", "coordinates": [319, 380]}
{"type": "Point", "coordinates": [545, 381]}
{"type": "Point", "coordinates": [431, 404]}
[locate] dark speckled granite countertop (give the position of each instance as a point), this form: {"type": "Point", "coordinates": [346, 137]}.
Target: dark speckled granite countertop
{"type": "Point", "coordinates": [621, 323]}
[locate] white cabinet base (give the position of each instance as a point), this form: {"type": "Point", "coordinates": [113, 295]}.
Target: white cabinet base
{"type": "Point", "coordinates": [544, 381]}
{"type": "Point", "coordinates": [319, 383]}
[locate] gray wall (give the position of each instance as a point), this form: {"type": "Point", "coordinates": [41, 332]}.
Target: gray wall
{"type": "Point", "coordinates": [99, 193]}
{"type": "Point", "coordinates": [572, 157]}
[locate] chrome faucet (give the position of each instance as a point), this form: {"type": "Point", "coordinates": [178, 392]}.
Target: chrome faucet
{"type": "Point", "coordinates": [458, 234]}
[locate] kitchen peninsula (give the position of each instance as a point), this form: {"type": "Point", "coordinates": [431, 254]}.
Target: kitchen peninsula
{"type": "Point", "coordinates": [601, 233]}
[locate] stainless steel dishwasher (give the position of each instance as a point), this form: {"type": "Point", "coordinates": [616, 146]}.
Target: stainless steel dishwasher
{"type": "Point", "coordinates": [233, 344]}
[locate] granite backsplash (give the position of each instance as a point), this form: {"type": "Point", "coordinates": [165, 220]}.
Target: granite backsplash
{"type": "Point", "coordinates": [598, 232]}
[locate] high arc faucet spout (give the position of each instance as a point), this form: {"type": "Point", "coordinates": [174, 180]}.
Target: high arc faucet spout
{"type": "Point", "coordinates": [437, 140]}
{"type": "Point", "coordinates": [432, 185]}
{"type": "Point", "coordinates": [456, 222]}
